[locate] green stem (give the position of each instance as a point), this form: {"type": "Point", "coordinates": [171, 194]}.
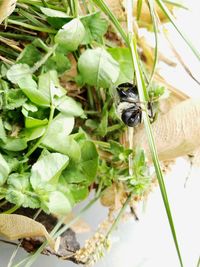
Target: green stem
{"type": "Point", "coordinates": [75, 8]}
{"type": "Point", "coordinates": [44, 3]}
{"type": "Point", "coordinates": [101, 143]}
{"type": "Point", "coordinates": [155, 30]}
{"type": "Point", "coordinates": [177, 4]}
{"type": "Point", "coordinates": [121, 212]}
{"type": "Point", "coordinates": [17, 36]}
{"type": "Point", "coordinates": [13, 209]}
{"type": "Point", "coordinates": [42, 137]}
{"type": "Point", "coordinates": [39, 3]}
{"type": "Point", "coordinates": [3, 203]}
{"type": "Point", "coordinates": [90, 97]}
{"type": "Point", "coordinates": [38, 64]}
{"type": "Point", "coordinates": [28, 26]}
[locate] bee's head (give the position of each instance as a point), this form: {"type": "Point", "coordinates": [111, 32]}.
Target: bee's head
{"type": "Point", "coordinates": [127, 91]}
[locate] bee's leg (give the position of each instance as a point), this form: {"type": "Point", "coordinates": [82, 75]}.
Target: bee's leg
{"type": "Point", "coordinates": [150, 108]}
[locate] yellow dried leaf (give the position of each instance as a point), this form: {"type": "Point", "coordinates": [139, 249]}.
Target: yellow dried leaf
{"type": "Point", "coordinates": [6, 8]}
{"type": "Point", "coordinates": [114, 196]}
{"type": "Point", "coordinates": [14, 226]}
{"type": "Point", "coordinates": [176, 133]}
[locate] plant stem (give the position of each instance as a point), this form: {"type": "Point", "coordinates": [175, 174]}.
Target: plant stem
{"type": "Point", "coordinates": [39, 3]}
{"type": "Point", "coordinates": [13, 209]}
{"type": "Point", "coordinates": [28, 26]}
{"type": "Point", "coordinates": [3, 203]}
{"type": "Point", "coordinates": [101, 143]}
{"type": "Point", "coordinates": [75, 8]}
{"type": "Point", "coordinates": [17, 36]}
{"type": "Point", "coordinates": [155, 30]}
{"type": "Point", "coordinates": [122, 210]}
{"type": "Point", "coordinates": [38, 64]}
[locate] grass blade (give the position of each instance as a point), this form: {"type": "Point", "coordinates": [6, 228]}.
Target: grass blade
{"type": "Point", "coordinates": [155, 30]}
{"type": "Point", "coordinates": [139, 8]}
{"type": "Point", "coordinates": [182, 34]}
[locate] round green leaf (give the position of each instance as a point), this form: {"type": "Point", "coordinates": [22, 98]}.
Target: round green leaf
{"type": "Point", "coordinates": [98, 68]}
{"type": "Point", "coordinates": [71, 35]}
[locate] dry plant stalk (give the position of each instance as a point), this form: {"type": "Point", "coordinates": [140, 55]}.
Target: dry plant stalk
{"type": "Point", "coordinates": [176, 133]}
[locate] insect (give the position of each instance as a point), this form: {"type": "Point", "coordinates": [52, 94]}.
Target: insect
{"type": "Point", "coordinates": [129, 106]}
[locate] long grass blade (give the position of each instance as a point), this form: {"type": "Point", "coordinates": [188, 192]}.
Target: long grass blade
{"type": "Point", "coordinates": [155, 31]}
{"type": "Point", "coordinates": [182, 34]}
{"type": "Point", "coordinates": [176, 3]}
{"type": "Point", "coordinates": [139, 8]}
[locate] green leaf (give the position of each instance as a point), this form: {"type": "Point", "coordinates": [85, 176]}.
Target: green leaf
{"type": "Point", "coordinates": [19, 191]}
{"type": "Point", "coordinates": [95, 27]}
{"type": "Point", "coordinates": [28, 107]}
{"type": "Point", "coordinates": [58, 139]}
{"type": "Point", "coordinates": [89, 159]}
{"type": "Point", "coordinates": [123, 57]}
{"type": "Point", "coordinates": [49, 85]}
{"type": "Point", "coordinates": [18, 73]}
{"type": "Point", "coordinates": [79, 192]}
{"type": "Point", "coordinates": [32, 122]}
{"type": "Point", "coordinates": [15, 197]}
{"type": "Point", "coordinates": [71, 34]}
{"type": "Point", "coordinates": [36, 96]}
{"type": "Point", "coordinates": [70, 107]}
{"type": "Point", "coordinates": [103, 126]}
{"type": "Point", "coordinates": [15, 98]}
{"type": "Point", "coordinates": [58, 203]}
{"type": "Point", "coordinates": [30, 55]}
{"type": "Point", "coordinates": [85, 168]}
{"type": "Point", "coordinates": [15, 144]}
{"type": "Point", "coordinates": [98, 68]}
{"type": "Point", "coordinates": [21, 74]}
{"type": "Point", "coordinates": [47, 169]}
{"type": "Point", "coordinates": [49, 12]}
{"type": "Point", "coordinates": [19, 181]}
{"type": "Point", "coordinates": [58, 62]}
{"type": "Point", "coordinates": [34, 133]}
{"type": "Point", "coordinates": [2, 131]}
{"type": "Point", "coordinates": [4, 170]}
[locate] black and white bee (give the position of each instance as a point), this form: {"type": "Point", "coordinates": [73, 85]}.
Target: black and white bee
{"type": "Point", "coordinates": [129, 106]}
